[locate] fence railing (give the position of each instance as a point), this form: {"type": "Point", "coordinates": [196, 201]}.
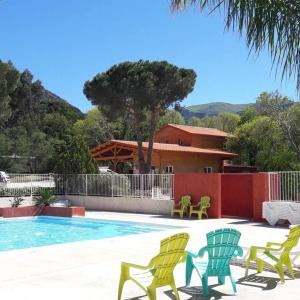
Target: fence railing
{"type": "Point", "coordinates": [155, 186]}
{"type": "Point", "coordinates": [284, 186]}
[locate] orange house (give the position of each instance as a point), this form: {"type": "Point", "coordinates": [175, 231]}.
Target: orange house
{"type": "Point", "coordinates": [176, 149]}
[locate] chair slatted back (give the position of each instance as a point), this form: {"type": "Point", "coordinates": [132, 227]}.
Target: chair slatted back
{"type": "Point", "coordinates": [291, 242]}
{"type": "Point", "coordinates": [185, 201]}
{"type": "Point", "coordinates": [204, 202]}
{"type": "Point", "coordinates": [221, 245]}
{"type": "Point", "coordinates": [172, 250]}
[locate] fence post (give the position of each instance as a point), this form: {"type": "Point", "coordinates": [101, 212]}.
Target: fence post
{"type": "Point", "coordinates": [142, 186]}
{"type": "Point", "coordinates": [112, 185]}
{"type": "Point", "coordinates": [31, 186]}
{"type": "Point", "coordinates": [86, 185]}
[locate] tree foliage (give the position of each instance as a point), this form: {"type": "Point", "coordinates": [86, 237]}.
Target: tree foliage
{"type": "Point", "coordinates": [137, 90]}
{"type": "Point", "coordinates": [9, 78]}
{"type": "Point", "coordinates": [32, 121]}
{"type": "Point", "coordinates": [224, 121]}
{"type": "Point", "coordinates": [73, 157]}
{"type": "Point", "coordinates": [172, 116]}
{"type": "Point", "coordinates": [271, 24]}
{"type": "Point", "coordinates": [195, 121]}
{"type": "Point", "coordinates": [261, 143]}
{"type": "Point", "coordinates": [286, 115]}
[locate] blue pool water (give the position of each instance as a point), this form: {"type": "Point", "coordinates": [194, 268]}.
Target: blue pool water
{"type": "Point", "coordinates": [42, 231]}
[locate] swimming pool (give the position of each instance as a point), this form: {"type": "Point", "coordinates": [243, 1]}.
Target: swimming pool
{"type": "Point", "coordinates": [42, 231]}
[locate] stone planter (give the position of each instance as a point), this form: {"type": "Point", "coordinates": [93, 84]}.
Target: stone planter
{"type": "Point", "coordinates": [30, 211]}
{"type": "Point", "coordinates": [63, 211]}
{"type": "Point", "coordinates": [24, 211]}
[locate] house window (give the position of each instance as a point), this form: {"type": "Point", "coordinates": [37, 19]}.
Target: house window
{"type": "Point", "coordinates": [169, 169]}
{"type": "Point", "coordinates": [208, 169]}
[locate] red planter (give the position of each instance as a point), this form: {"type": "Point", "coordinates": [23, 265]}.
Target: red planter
{"type": "Point", "coordinates": [30, 211]}
{"type": "Point", "coordinates": [63, 211]}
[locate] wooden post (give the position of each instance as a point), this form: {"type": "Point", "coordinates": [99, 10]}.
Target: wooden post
{"type": "Point", "coordinates": [115, 159]}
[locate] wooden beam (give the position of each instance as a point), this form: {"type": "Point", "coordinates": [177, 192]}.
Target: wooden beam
{"type": "Point", "coordinates": [122, 157]}
{"type": "Point", "coordinates": [104, 150]}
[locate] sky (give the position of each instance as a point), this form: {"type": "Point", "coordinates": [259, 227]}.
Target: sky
{"type": "Point", "coordinates": [66, 42]}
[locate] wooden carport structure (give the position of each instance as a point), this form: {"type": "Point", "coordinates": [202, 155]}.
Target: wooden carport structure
{"type": "Point", "coordinates": [115, 152]}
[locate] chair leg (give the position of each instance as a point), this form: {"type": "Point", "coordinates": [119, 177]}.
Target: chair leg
{"type": "Point", "coordinates": [260, 266]}
{"type": "Point", "coordinates": [189, 267]}
{"type": "Point", "coordinates": [221, 279]}
{"type": "Point", "coordinates": [173, 286]}
{"type": "Point", "coordinates": [233, 284]}
{"type": "Point", "coordinates": [204, 280]}
{"type": "Point", "coordinates": [200, 215]}
{"type": "Point", "coordinates": [279, 269]}
{"type": "Point", "coordinates": [290, 268]}
{"type": "Point", "coordinates": [247, 267]}
{"type": "Point", "coordinates": [151, 293]}
{"type": "Point", "coordinates": [123, 278]}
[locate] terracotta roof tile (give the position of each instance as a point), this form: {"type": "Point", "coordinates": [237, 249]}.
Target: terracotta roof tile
{"type": "Point", "coordinates": [167, 147]}
{"type": "Point", "coordinates": [200, 130]}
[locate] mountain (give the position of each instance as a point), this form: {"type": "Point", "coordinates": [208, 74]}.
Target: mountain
{"type": "Point", "coordinates": [213, 109]}
{"type": "Point", "coordinates": [55, 103]}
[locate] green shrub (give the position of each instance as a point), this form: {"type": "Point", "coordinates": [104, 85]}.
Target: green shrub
{"type": "Point", "coordinates": [46, 197]}
{"type": "Point", "coordinates": [17, 201]}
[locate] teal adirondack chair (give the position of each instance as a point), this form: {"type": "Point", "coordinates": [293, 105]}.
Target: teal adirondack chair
{"type": "Point", "coordinates": [222, 244]}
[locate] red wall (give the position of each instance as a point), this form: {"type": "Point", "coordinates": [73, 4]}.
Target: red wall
{"type": "Point", "coordinates": [237, 195]}
{"type": "Point", "coordinates": [260, 194]}
{"type": "Point", "coordinates": [197, 185]}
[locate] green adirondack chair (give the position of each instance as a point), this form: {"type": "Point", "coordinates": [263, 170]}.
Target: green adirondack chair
{"type": "Point", "coordinates": [184, 203]}
{"type": "Point", "coordinates": [201, 208]}
{"type": "Point", "coordinates": [276, 255]}
{"type": "Point", "coordinates": [159, 272]}
{"type": "Point", "coordinates": [222, 244]}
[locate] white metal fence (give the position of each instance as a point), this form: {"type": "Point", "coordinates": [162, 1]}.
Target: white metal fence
{"type": "Point", "coordinates": [284, 186]}
{"type": "Point", "coordinates": [156, 186]}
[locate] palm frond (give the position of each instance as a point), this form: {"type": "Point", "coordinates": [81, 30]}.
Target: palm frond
{"type": "Point", "coordinates": [271, 24]}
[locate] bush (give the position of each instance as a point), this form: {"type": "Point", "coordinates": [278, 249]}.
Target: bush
{"type": "Point", "coordinates": [46, 197]}
{"type": "Point", "coordinates": [17, 201]}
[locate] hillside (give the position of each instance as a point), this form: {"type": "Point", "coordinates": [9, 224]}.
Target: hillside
{"type": "Point", "coordinates": [213, 109]}
{"type": "Point", "coordinates": [55, 103]}
{"type": "Point", "coordinates": [34, 122]}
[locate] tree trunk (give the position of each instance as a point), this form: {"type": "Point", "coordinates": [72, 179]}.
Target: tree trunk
{"type": "Point", "coordinates": [151, 141]}
{"type": "Point", "coordinates": [141, 158]}
{"type": "Point", "coordinates": [142, 165]}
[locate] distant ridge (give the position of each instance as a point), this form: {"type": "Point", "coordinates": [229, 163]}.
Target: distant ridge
{"type": "Point", "coordinates": [213, 109]}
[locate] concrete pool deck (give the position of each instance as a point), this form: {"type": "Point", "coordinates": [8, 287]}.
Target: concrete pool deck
{"type": "Point", "coordinates": [90, 270]}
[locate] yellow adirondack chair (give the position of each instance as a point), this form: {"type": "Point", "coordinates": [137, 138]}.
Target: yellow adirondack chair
{"type": "Point", "coordinates": [184, 203]}
{"type": "Point", "coordinates": [201, 208]}
{"type": "Point", "coordinates": [159, 272]}
{"type": "Point", "coordinates": [276, 255]}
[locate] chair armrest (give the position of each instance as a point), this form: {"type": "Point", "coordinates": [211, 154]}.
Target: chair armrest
{"type": "Point", "coordinates": [202, 251]}
{"type": "Point", "coordinates": [254, 248]}
{"type": "Point", "coordinates": [130, 265]}
{"type": "Point", "coordinates": [270, 244]}
{"type": "Point", "coordinates": [177, 206]}
{"type": "Point", "coordinates": [238, 251]}
{"type": "Point", "coordinates": [195, 206]}
{"type": "Point", "coordinates": [191, 254]}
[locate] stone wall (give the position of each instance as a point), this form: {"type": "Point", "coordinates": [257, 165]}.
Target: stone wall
{"type": "Point", "coordinates": [4, 201]}
{"type": "Point", "coordinates": [122, 204]}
